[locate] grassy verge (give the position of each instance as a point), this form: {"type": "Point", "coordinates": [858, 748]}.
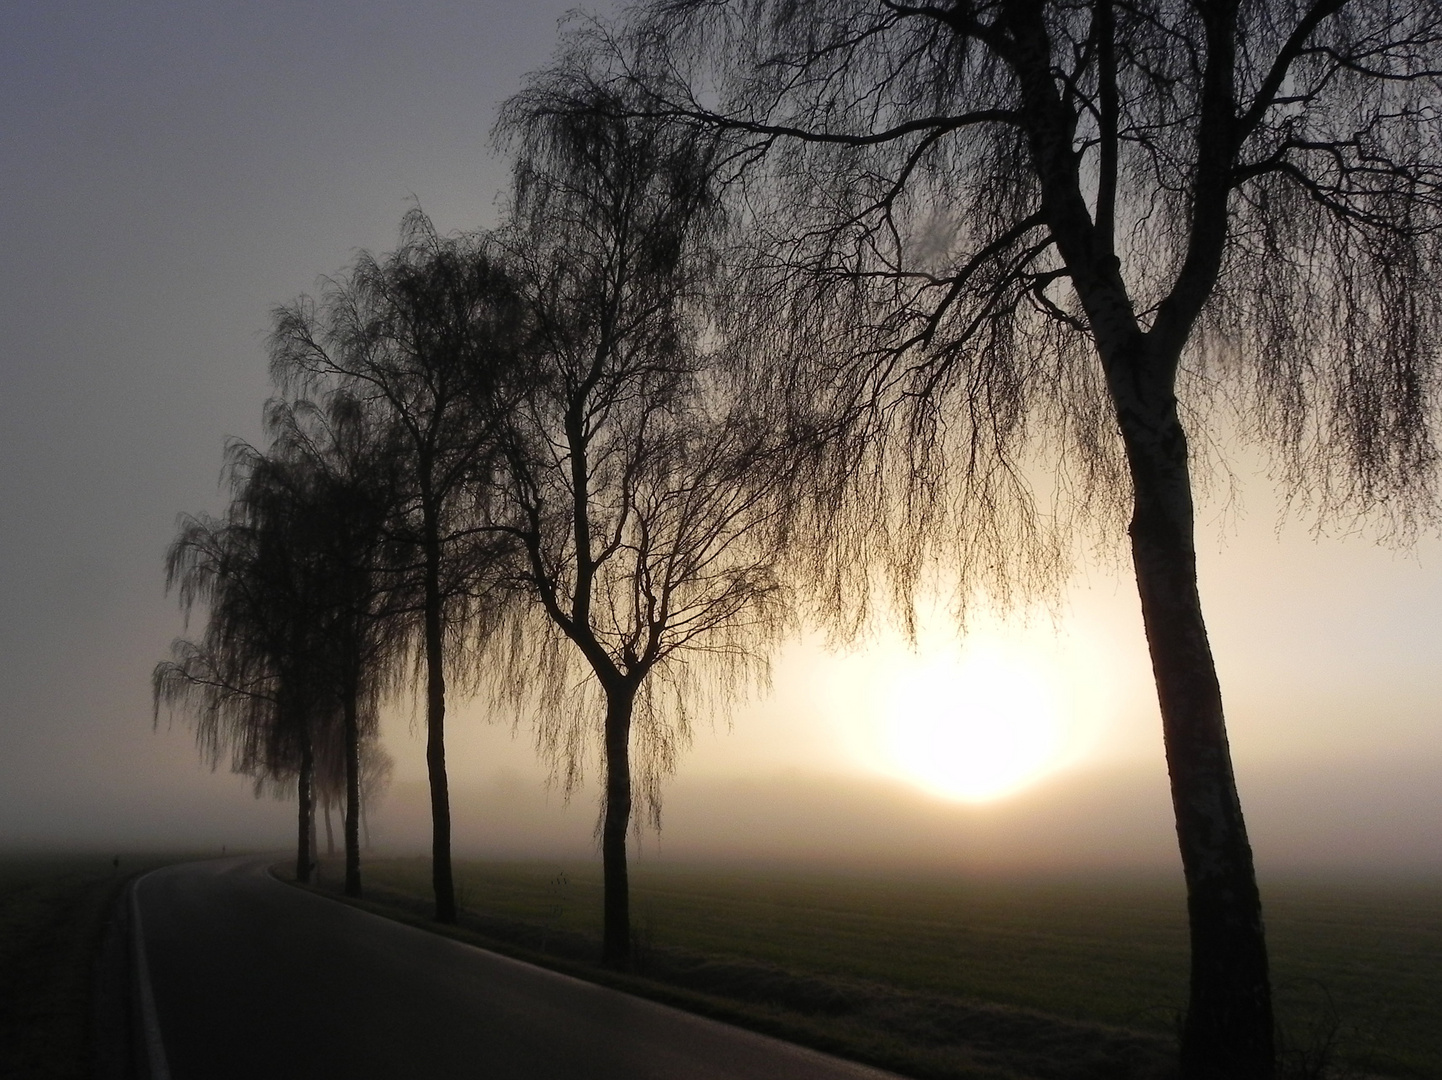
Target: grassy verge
{"type": "Point", "coordinates": [938, 977]}
{"type": "Point", "coordinates": [52, 913]}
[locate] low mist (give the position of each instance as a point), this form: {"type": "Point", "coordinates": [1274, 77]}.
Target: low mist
{"type": "Point", "coordinates": [1094, 819]}
{"type": "Point", "coordinates": [1367, 816]}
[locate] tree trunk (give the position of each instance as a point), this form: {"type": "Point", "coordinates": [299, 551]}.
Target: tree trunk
{"type": "Point", "coordinates": [303, 850]}
{"type": "Point", "coordinates": [352, 791]}
{"type": "Point", "coordinates": [441, 879]}
{"type": "Point", "coordinates": [616, 933]}
{"type": "Point", "coordinates": [329, 833]}
{"type": "Point", "coordinates": [1228, 1030]}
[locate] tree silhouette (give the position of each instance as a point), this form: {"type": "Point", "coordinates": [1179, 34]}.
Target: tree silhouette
{"type": "Point", "coordinates": [252, 680]}
{"type": "Point", "coordinates": [376, 767]}
{"type": "Point", "coordinates": [985, 225]}
{"type": "Point", "coordinates": [635, 485]}
{"type": "Point", "coordinates": [340, 464]}
{"type": "Point", "coordinates": [424, 337]}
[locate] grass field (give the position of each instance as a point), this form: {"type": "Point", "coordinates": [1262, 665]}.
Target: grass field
{"type": "Point", "coordinates": [52, 912]}
{"type": "Point", "coordinates": [1357, 964]}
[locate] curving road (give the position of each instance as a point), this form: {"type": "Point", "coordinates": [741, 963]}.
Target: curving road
{"type": "Point", "coordinates": [250, 977]}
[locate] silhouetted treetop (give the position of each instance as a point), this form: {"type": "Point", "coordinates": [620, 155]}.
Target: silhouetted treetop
{"type": "Point", "coordinates": [990, 181]}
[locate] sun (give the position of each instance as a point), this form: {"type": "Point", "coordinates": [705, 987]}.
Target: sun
{"type": "Point", "coordinates": [974, 725]}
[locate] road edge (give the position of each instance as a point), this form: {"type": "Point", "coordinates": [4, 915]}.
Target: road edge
{"type": "Point", "coordinates": [150, 1048]}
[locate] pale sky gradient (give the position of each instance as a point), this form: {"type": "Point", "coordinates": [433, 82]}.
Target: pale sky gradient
{"type": "Point", "coordinates": [172, 171]}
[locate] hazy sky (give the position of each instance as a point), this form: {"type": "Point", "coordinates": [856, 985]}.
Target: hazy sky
{"type": "Point", "coordinates": [171, 171]}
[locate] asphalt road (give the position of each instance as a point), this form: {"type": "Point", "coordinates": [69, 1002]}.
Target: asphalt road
{"type": "Point", "coordinates": [250, 977]}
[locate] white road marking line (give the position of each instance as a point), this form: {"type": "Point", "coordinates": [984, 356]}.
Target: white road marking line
{"type": "Point", "coordinates": [154, 1044]}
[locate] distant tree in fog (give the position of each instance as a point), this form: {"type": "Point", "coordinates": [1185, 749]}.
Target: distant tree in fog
{"type": "Point", "coordinates": [425, 338]}
{"type": "Point", "coordinates": [340, 464]}
{"type": "Point", "coordinates": [376, 768]}
{"type": "Point", "coordinates": [300, 636]}
{"type": "Point", "coordinates": [252, 679]}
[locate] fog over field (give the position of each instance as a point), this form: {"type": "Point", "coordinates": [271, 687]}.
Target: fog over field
{"type": "Point", "coordinates": [1333, 717]}
{"type": "Point", "coordinates": [174, 172]}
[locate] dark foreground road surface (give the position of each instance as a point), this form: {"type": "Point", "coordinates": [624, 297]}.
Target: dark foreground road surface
{"type": "Point", "coordinates": [253, 978]}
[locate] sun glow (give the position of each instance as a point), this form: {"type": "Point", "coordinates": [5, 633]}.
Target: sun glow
{"type": "Point", "coordinates": [976, 728]}
{"type": "Point", "coordinates": [973, 715]}
{"type": "Point", "coordinates": [973, 724]}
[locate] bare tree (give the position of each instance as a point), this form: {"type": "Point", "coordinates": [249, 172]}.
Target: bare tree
{"type": "Point", "coordinates": [1039, 222]}
{"type": "Point", "coordinates": [635, 485]}
{"type": "Point", "coordinates": [377, 767]}
{"type": "Point", "coordinates": [252, 679]}
{"type": "Point", "coordinates": [340, 466]}
{"type": "Point", "coordinates": [425, 338]}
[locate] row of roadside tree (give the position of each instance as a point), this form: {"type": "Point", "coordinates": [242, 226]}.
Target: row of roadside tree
{"type": "Point", "coordinates": [509, 461]}
{"type": "Point", "coordinates": [796, 301]}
